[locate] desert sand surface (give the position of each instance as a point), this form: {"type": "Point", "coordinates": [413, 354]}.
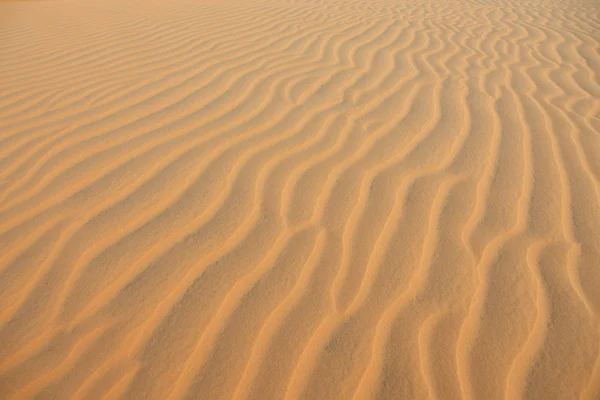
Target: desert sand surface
{"type": "Point", "coordinates": [297, 199]}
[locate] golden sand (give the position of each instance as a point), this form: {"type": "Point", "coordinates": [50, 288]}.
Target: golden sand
{"type": "Point", "coordinates": [298, 199]}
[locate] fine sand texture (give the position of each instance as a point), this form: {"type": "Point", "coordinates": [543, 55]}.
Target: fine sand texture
{"type": "Point", "coordinates": [300, 199]}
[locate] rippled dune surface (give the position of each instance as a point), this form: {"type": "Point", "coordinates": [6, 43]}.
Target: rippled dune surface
{"type": "Point", "coordinates": [295, 199]}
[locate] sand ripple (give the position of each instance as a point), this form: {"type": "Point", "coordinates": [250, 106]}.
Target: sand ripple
{"type": "Point", "coordinates": [295, 199]}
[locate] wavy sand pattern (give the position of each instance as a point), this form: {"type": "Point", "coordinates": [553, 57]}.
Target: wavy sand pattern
{"type": "Point", "coordinates": [299, 199]}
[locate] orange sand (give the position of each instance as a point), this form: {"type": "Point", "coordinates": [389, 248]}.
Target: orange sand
{"type": "Point", "coordinates": [296, 199]}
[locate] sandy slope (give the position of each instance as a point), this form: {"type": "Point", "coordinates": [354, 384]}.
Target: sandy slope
{"type": "Point", "coordinates": [300, 199]}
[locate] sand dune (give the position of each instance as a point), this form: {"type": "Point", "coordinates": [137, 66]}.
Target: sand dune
{"type": "Point", "coordinates": [296, 199]}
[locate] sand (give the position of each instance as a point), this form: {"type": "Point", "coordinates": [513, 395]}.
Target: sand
{"type": "Point", "coordinates": [297, 199]}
